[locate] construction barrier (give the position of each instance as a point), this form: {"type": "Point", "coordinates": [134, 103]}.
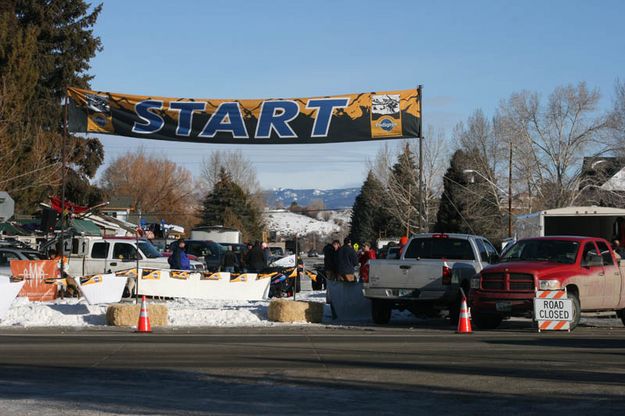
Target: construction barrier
{"type": "Point", "coordinates": [553, 311]}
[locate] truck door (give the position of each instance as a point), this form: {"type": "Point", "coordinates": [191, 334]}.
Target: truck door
{"type": "Point", "coordinates": [97, 260]}
{"type": "Point", "coordinates": [612, 278]}
{"type": "Point", "coordinates": [124, 257]}
{"type": "Point", "coordinates": [592, 283]}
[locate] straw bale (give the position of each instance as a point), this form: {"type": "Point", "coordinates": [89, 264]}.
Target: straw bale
{"type": "Point", "coordinates": [285, 310]}
{"type": "Point", "coordinates": [122, 314]}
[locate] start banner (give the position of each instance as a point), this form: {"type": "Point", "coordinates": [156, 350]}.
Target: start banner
{"type": "Point", "coordinates": [329, 119]}
{"type": "Point", "coordinates": [35, 273]}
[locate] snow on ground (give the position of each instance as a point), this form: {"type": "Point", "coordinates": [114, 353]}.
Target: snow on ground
{"type": "Point", "coordinates": [74, 312]}
{"type": "Point", "coordinates": [289, 223]}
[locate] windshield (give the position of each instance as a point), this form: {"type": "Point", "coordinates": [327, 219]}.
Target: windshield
{"type": "Point", "coordinates": [148, 250]}
{"type": "Point", "coordinates": [542, 250]}
{"type": "Point", "coordinates": [34, 256]}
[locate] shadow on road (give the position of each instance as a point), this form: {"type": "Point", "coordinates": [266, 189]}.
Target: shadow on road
{"type": "Point", "coordinates": [61, 390]}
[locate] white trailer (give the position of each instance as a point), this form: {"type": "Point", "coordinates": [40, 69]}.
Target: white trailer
{"type": "Point", "coordinates": [217, 234]}
{"type": "Point", "coordinates": [592, 221]}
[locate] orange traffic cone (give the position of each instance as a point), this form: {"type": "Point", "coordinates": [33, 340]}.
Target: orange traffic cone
{"type": "Point", "coordinates": [144, 319]}
{"type": "Point", "coordinates": [464, 323]}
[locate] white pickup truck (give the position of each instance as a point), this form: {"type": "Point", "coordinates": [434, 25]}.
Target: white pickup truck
{"type": "Point", "coordinates": [105, 255]}
{"type": "Point", "coordinates": [428, 275]}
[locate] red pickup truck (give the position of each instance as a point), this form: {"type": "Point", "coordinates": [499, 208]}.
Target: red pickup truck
{"type": "Point", "coordinates": [587, 267]}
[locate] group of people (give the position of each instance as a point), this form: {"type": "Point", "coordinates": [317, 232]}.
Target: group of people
{"type": "Point", "coordinates": [255, 260]}
{"type": "Point", "coordinates": [341, 261]}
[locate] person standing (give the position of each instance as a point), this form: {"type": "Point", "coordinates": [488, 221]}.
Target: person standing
{"type": "Point", "coordinates": [229, 260]}
{"type": "Point", "coordinates": [329, 259]}
{"type": "Point", "coordinates": [179, 259]}
{"type": "Point", "coordinates": [256, 259]}
{"type": "Point", "coordinates": [367, 254]}
{"type": "Point", "coordinates": [347, 261]}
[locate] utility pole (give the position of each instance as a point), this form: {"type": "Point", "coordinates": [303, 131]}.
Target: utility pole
{"type": "Point", "coordinates": [510, 189]}
{"type": "Point", "coordinates": [421, 193]}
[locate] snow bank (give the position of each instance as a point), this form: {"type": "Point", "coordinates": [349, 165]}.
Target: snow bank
{"type": "Point", "coordinates": [289, 223]}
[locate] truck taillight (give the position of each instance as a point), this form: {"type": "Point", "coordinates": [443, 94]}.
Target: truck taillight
{"type": "Point", "coordinates": [364, 274]}
{"type": "Point", "coordinates": [446, 274]}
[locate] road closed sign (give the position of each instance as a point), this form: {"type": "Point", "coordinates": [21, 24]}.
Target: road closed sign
{"type": "Point", "coordinates": [553, 311]}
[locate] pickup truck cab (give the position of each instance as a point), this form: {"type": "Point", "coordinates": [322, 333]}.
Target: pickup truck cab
{"type": "Point", "coordinates": [427, 276]}
{"type": "Point", "coordinates": [586, 266]}
{"type": "Point", "coordinates": [105, 255]}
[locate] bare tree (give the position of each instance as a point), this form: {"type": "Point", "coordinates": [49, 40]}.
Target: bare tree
{"type": "Point", "coordinates": [552, 137]}
{"type": "Point", "coordinates": [156, 185]}
{"type": "Point", "coordinates": [240, 169]}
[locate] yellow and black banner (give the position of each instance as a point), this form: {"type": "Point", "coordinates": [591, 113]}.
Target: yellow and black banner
{"type": "Point", "coordinates": [329, 119]}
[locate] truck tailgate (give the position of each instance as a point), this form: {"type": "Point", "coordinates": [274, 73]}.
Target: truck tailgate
{"type": "Point", "coordinates": [406, 274]}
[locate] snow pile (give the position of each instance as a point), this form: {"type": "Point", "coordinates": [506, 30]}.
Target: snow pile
{"type": "Point", "coordinates": [182, 312]}
{"type": "Point", "coordinates": [289, 223]}
{"type": "Point", "coordinates": [60, 312]}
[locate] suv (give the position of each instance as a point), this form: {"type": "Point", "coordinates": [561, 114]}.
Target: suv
{"type": "Point", "coordinates": [206, 251]}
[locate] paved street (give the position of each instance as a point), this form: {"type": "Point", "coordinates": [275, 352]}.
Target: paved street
{"type": "Point", "coordinates": [426, 369]}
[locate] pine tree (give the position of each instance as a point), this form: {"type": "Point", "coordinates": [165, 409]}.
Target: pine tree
{"type": "Point", "coordinates": [449, 218]}
{"type": "Point", "coordinates": [403, 194]}
{"type": "Point", "coordinates": [44, 48]}
{"type": "Point", "coordinates": [228, 205]}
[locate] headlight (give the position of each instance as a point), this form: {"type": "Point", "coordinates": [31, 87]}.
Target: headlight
{"type": "Point", "coordinates": [475, 282]}
{"type": "Point", "coordinates": [549, 284]}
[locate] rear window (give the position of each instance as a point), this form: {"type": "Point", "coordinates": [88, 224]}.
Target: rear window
{"type": "Point", "coordinates": [440, 248]}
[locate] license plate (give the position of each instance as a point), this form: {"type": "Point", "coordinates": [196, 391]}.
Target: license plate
{"type": "Point", "coordinates": [503, 306]}
{"type": "Point", "coordinates": [405, 292]}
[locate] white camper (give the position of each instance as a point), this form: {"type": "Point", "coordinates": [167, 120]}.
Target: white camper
{"type": "Point", "coordinates": [593, 221]}
{"type": "Point", "coordinates": [217, 234]}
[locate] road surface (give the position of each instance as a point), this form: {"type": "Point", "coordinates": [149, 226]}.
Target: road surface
{"type": "Point", "coordinates": [427, 369]}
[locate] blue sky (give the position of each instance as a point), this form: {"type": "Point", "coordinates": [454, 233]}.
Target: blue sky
{"type": "Point", "coordinates": [467, 55]}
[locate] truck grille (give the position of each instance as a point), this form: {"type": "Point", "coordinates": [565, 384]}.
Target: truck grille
{"type": "Point", "coordinates": [508, 281]}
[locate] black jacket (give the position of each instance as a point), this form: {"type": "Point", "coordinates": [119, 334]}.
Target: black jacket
{"type": "Point", "coordinates": [347, 260]}
{"type": "Point", "coordinates": [256, 259]}
{"type": "Point", "coordinates": [329, 258]}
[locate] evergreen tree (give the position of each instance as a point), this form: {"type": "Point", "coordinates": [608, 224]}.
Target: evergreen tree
{"type": "Point", "coordinates": [449, 218]}
{"type": "Point", "coordinates": [403, 195]}
{"type": "Point", "coordinates": [44, 48]}
{"type": "Point", "coordinates": [365, 210]}
{"type": "Point", "coordinates": [470, 207]}
{"type": "Point", "coordinates": [228, 205]}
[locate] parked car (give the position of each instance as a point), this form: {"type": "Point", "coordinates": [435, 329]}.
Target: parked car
{"type": "Point", "coordinates": [585, 266]}
{"type": "Point", "coordinates": [428, 276]}
{"type": "Point", "coordinates": [8, 253]}
{"type": "Point", "coordinates": [313, 253]}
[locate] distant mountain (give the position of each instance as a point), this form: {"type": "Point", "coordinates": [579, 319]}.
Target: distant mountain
{"type": "Point", "coordinates": [332, 198]}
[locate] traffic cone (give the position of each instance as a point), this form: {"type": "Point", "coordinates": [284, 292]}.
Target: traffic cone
{"type": "Point", "coordinates": [464, 323]}
{"type": "Point", "coordinates": [144, 319]}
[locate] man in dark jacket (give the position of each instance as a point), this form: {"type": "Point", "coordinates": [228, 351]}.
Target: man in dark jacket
{"type": "Point", "coordinates": [330, 253]}
{"type": "Point", "coordinates": [179, 259]}
{"type": "Point", "coordinates": [229, 260]}
{"type": "Point", "coordinates": [347, 261]}
{"type": "Point", "coordinates": [256, 259]}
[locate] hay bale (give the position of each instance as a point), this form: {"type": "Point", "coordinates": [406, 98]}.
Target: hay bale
{"type": "Point", "coordinates": [122, 314]}
{"type": "Point", "coordinates": [284, 310]}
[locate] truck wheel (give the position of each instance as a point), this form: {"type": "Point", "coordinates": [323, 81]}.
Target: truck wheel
{"type": "Point", "coordinates": [486, 321]}
{"type": "Point", "coordinates": [577, 309]}
{"type": "Point", "coordinates": [380, 311]}
{"type": "Point", "coordinates": [621, 314]}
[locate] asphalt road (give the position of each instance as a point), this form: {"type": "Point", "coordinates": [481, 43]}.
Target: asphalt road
{"type": "Point", "coordinates": [312, 370]}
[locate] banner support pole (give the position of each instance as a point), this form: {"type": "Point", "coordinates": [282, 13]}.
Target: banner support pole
{"type": "Point", "coordinates": [421, 193]}
{"type": "Point", "coordinates": [63, 184]}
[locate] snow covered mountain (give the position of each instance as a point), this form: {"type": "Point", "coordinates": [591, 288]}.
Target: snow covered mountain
{"type": "Point", "coordinates": [332, 198]}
